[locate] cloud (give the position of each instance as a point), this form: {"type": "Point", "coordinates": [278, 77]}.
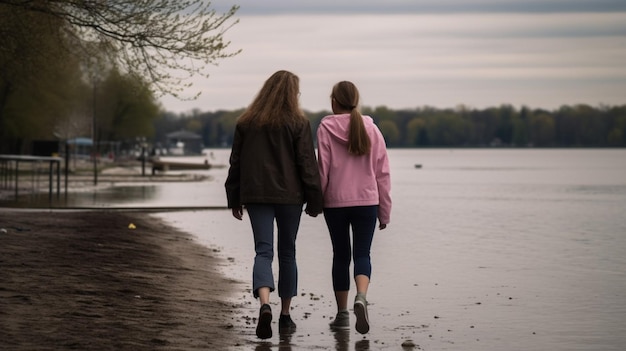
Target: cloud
{"type": "Point", "coordinates": [267, 7]}
{"type": "Point", "coordinates": [404, 61]}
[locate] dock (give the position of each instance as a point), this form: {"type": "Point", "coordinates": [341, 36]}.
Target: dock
{"type": "Point", "coordinates": [164, 166]}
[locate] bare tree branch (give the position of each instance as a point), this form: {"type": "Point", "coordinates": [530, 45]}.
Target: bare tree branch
{"type": "Point", "coordinates": [165, 41]}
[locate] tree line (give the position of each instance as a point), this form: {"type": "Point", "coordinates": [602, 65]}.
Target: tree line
{"type": "Point", "coordinates": [503, 126]}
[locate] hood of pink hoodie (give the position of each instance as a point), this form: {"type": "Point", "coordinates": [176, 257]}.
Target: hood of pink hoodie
{"type": "Point", "coordinates": [338, 125]}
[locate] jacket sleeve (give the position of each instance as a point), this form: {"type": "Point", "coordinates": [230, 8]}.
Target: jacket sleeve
{"type": "Point", "coordinates": [307, 168]}
{"type": "Point", "coordinates": [383, 179]}
{"type": "Point", "coordinates": [323, 156]}
{"type": "Point", "coordinates": [233, 181]}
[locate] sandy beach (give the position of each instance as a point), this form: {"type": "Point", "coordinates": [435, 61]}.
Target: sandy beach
{"type": "Point", "coordinates": [103, 280]}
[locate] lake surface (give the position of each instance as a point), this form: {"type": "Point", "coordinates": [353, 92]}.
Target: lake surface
{"type": "Point", "coordinates": [488, 249]}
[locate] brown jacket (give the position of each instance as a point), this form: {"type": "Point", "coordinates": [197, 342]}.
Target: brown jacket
{"type": "Point", "coordinates": [274, 166]}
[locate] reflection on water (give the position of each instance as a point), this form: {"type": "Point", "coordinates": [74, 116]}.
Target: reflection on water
{"type": "Point", "coordinates": [342, 339]}
{"type": "Point", "coordinates": [285, 339]}
{"type": "Point", "coordinates": [362, 345]}
{"type": "Point", "coordinates": [284, 343]}
{"type": "Point", "coordinates": [115, 196]}
{"type": "Point", "coordinates": [263, 346]}
{"type": "Point", "coordinates": [342, 342]}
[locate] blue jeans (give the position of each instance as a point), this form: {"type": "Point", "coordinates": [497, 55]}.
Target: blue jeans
{"type": "Point", "coordinates": [362, 220]}
{"type": "Point", "coordinates": [287, 221]}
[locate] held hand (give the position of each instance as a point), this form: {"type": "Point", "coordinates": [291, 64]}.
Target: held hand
{"type": "Point", "coordinates": [382, 226]}
{"type": "Point", "coordinates": [312, 214]}
{"type": "Point", "coordinates": [238, 212]}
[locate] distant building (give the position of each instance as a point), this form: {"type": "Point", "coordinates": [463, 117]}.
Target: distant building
{"type": "Point", "coordinates": [80, 147]}
{"type": "Point", "coordinates": [184, 142]}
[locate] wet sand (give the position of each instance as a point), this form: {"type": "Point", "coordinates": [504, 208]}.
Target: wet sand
{"type": "Point", "coordinates": [86, 281]}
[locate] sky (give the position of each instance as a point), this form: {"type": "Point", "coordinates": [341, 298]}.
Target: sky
{"type": "Point", "coordinates": [406, 54]}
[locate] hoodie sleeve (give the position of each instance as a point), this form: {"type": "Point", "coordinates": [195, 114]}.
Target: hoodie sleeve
{"type": "Point", "coordinates": [383, 178]}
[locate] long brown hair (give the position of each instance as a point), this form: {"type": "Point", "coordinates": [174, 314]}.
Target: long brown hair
{"type": "Point", "coordinates": [276, 103]}
{"type": "Point", "coordinates": [346, 96]}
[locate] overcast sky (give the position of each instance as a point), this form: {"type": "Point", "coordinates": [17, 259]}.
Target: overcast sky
{"type": "Point", "coordinates": [410, 53]}
{"type": "Point", "coordinates": [418, 6]}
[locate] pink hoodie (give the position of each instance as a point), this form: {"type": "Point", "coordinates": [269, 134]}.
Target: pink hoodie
{"type": "Point", "coordinates": [349, 180]}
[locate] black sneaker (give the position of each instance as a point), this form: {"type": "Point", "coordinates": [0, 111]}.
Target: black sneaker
{"type": "Point", "coordinates": [264, 326]}
{"type": "Point", "coordinates": [285, 323]}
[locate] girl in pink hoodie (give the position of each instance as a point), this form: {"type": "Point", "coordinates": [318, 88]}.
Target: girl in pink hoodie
{"type": "Point", "coordinates": [354, 171]}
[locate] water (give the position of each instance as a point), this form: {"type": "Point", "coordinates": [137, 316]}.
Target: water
{"type": "Point", "coordinates": [486, 250]}
{"type": "Point", "coordinates": [506, 249]}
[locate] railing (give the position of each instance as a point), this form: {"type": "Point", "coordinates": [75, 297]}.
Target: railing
{"type": "Point", "coordinates": [7, 173]}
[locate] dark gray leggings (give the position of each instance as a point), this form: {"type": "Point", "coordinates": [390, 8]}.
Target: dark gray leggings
{"type": "Point", "coordinates": [362, 220]}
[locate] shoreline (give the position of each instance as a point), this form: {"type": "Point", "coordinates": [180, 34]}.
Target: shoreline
{"type": "Point", "coordinates": [36, 184]}
{"type": "Point", "coordinates": [87, 279]}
